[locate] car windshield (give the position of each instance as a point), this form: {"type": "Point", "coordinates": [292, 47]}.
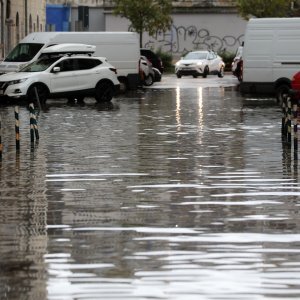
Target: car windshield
{"type": "Point", "coordinates": [23, 52]}
{"type": "Point", "coordinates": [196, 55]}
{"type": "Point", "coordinates": [40, 65]}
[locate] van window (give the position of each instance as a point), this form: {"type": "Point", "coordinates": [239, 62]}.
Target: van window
{"type": "Point", "coordinates": [23, 52]}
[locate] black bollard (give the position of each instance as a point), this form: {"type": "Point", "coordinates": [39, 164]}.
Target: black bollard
{"type": "Point", "coordinates": [289, 121]}
{"type": "Point", "coordinates": [37, 98]}
{"type": "Point", "coordinates": [283, 120]}
{"type": "Point", "coordinates": [33, 124]}
{"type": "Point", "coordinates": [17, 128]}
{"type": "Point", "coordinates": [1, 146]}
{"type": "Point", "coordinates": [295, 125]}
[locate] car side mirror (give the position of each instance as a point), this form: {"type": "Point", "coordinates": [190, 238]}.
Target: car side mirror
{"type": "Point", "coordinates": [56, 69]}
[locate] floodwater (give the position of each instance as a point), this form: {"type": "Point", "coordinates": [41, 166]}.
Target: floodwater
{"type": "Point", "coordinates": [180, 194]}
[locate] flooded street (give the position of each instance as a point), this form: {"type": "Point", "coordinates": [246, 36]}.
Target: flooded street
{"type": "Point", "coordinates": [178, 193]}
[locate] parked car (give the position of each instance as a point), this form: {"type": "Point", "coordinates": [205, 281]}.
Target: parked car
{"type": "Point", "coordinates": [62, 72]}
{"type": "Point", "coordinates": [153, 58]}
{"type": "Point", "coordinates": [198, 63]}
{"type": "Point", "coordinates": [237, 64]}
{"type": "Point", "coordinates": [146, 71]}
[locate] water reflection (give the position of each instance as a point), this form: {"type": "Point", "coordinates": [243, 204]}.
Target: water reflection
{"type": "Point", "coordinates": [167, 194]}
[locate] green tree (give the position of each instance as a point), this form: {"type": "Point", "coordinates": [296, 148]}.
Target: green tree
{"type": "Point", "coordinates": [145, 15]}
{"type": "Point", "coordinates": [264, 8]}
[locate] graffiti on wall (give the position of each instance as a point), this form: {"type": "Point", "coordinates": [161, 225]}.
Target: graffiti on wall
{"type": "Point", "coordinates": [182, 39]}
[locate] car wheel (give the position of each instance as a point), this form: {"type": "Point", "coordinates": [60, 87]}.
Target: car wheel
{"type": "Point", "coordinates": [195, 76]}
{"type": "Point", "coordinates": [205, 73]}
{"type": "Point", "coordinates": [178, 75]}
{"type": "Point", "coordinates": [104, 91]}
{"type": "Point", "coordinates": [221, 73]}
{"type": "Point", "coordinates": [282, 92]}
{"type": "Point", "coordinates": [148, 80]}
{"type": "Point", "coordinates": [42, 92]}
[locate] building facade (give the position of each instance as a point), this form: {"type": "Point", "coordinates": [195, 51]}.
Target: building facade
{"type": "Point", "coordinates": [197, 24]}
{"type": "Point", "coordinates": [17, 19]}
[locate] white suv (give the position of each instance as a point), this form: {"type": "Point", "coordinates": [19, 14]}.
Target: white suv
{"type": "Point", "coordinates": [63, 71]}
{"type": "Point", "coordinates": [197, 63]}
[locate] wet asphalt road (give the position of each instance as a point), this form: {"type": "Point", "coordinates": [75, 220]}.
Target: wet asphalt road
{"type": "Point", "coordinates": [179, 191]}
{"type": "Point", "coordinates": [171, 81]}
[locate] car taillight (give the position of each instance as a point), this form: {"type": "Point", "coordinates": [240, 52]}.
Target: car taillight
{"type": "Point", "coordinates": [113, 70]}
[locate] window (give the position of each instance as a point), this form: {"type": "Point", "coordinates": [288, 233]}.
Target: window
{"type": "Point", "coordinates": [211, 56]}
{"type": "Point", "coordinates": [40, 65]}
{"type": "Point", "coordinates": [23, 52]}
{"type": "Point", "coordinates": [30, 24]}
{"type": "Point", "coordinates": [67, 65]}
{"type": "Point", "coordinates": [85, 64]}
{"type": "Point", "coordinates": [17, 28]}
{"type": "Point", "coordinates": [8, 9]}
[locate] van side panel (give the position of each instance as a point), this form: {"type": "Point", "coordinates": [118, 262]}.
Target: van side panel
{"type": "Point", "coordinates": [271, 54]}
{"type": "Point", "coordinates": [286, 60]}
{"type": "Point", "coordinates": [121, 50]}
{"type": "Point", "coordinates": [258, 65]}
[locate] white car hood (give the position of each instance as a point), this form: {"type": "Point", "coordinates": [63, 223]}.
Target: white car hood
{"type": "Point", "coordinates": [190, 61]}
{"type": "Point", "coordinates": [17, 75]}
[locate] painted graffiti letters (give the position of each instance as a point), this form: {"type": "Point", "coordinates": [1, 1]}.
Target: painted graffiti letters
{"type": "Point", "coordinates": [181, 39]}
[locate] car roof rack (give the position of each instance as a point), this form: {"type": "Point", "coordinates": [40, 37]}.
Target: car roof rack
{"type": "Point", "coordinates": [70, 49]}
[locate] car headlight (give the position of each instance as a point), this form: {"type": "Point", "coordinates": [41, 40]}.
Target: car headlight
{"type": "Point", "coordinates": [177, 64]}
{"type": "Point", "coordinates": [16, 81]}
{"type": "Point", "coordinates": [199, 63]}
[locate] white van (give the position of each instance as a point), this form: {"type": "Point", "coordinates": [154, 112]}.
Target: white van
{"type": "Point", "coordinates": [120, 48]}
{"type": "Point", "coordinates": [271, 55]}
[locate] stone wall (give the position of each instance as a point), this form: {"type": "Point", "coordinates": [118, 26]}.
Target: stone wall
{"type": "Point", "coordinates": [18, 19]}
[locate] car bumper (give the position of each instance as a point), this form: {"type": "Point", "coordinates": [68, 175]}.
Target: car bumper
{"type": "Point", "coordinates": [189, 71]}
{"type": "Point", "coordinates": [13, 91]}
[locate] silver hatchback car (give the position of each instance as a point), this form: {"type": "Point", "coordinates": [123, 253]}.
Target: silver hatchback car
{"type": "Point", "coordinates": [198, 63]}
